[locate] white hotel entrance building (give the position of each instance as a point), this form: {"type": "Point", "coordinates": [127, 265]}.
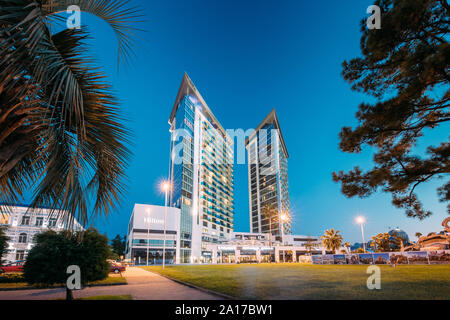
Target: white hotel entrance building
{"type": "Point", "coordinates": [146, 233]}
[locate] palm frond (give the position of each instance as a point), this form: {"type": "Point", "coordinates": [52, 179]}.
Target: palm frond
{"type": "Point", "coordinates": [59, 121]}
{"type": "Point", "coordinates": [77, 167]}
{"type": "Point", "coordinates": [117, 13]}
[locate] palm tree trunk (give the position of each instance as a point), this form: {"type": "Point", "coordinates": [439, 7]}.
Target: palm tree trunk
{"type": "Point", "coordinates": [69, 295]}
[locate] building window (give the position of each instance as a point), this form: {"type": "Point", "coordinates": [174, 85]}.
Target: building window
{"type": "Point", "coordinates": [22, 239]}
{"type": "Point", "coordinates": [25, 220]}
{"type": "Point", "coordinates": [52, 222]}
{"type": "Point", "coordinates": [39, 221]}
{"type": "Point", "coordinates": [20, 254]}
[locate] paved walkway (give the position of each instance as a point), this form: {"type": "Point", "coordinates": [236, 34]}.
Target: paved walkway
{"type": "Point", "coordinates": [142, 285]}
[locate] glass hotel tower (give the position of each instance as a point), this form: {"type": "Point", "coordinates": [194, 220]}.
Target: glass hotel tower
{"type": "Point", "coordinates": [201, 173]}
{"type": "Point", "coordinates": [268, 178]}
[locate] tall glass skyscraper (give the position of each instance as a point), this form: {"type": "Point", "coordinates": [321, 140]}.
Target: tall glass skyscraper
{"type": "Point", "coordinates": [268, 178]}
{"type": "Point", "coordinates": [201, 172]}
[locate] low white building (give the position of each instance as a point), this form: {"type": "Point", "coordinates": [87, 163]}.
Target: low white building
{"type": "Point", "coordinates": [146, 238]}
{"type": "Point", "coordinates": [21, 224]}
{"type": "Point", "coordinates": [245, 247]}
{"type": "Point", "coordinates": [146, 235]}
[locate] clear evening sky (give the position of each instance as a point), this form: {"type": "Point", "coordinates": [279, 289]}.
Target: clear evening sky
{"type": "Point", "coordinates": [247, 57]}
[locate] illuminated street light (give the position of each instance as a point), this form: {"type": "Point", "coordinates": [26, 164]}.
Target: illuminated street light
{"type": "Point", "coordinates": [360, 220]}
{"type": "Point", "coordinates": [165, 186]}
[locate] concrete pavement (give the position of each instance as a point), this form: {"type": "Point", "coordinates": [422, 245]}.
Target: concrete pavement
{"type": "Point", "coordinates": [142, 285]}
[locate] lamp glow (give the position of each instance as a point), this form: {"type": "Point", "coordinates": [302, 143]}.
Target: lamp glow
{"type": "Point", "coordinates": [165, 186]}
{"type": "Point", "coordinates": [360, 220]}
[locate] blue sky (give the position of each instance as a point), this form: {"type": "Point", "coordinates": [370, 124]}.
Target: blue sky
{"type": "Point", "coordinates": [247, 57]}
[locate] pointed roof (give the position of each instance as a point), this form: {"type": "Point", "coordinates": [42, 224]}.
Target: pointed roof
{"type": "Point", "coordinates": [270, 118]}
{"type": "Point", "coordinates": [187, 87]}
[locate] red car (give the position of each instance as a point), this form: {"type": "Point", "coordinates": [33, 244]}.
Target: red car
{"type": "Point", "coordinates": [12, 267]}
{"type": "Point", "coordinates": [116, 268]}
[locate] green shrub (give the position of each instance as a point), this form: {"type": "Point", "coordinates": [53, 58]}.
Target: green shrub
{"type": "Point", "coordinates": [12, 278]}
{"type": "Point", "coordinates": [48, 260]}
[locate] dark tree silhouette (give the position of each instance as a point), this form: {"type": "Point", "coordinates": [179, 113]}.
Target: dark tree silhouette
{"type": "Point", "coordinates": [405, 66]}
{"type": "Point", "coordinates": [118, 245]}
{"type": "Point", "coordinates": [48, 260]}
{"type": "Point", "coordinates": [61, 132]}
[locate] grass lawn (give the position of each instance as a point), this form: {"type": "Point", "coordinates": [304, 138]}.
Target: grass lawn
{"type": "Point", "coordinates": [306, 281]}
{"type": "Point", "coordinates": [112, 279]}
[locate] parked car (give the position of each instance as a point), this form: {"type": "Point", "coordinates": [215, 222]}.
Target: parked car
{"type": "Point", "coordinates": [12, 267]}
{"type": "Point", "coordinates": [117, 268]}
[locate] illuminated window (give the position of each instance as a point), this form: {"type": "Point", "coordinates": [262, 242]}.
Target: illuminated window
{"type": "Point", "coordinates": [4, 218]}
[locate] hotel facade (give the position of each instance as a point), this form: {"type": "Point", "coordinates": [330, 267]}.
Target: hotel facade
{"type": "Point", "coordinates": [201, 173]}
{"type": "Point", "coordinates": [145, 238]}
{"type": "Point", "coordinates": [200, 214]}
{"type": "Point", "coordinates": [145, 242]}
{"type": "Point", "coordinates": [268, 179]}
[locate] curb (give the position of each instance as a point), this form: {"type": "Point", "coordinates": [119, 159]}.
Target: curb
{"type": "Point", "coordinates": [61, 287]}
{"type": "Point", "coordinates": [190, 285]}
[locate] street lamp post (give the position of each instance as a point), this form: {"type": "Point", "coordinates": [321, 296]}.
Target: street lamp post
{"type": "Point", "coordinates": [148, 232]}
{"type": "Point", "coordinates": [361, 221]}
{"type": "Point", "coordinates": [165, 186]}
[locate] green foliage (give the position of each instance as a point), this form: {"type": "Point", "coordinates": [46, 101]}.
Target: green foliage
{"type": "Point", "coordinates": [118, 245]}
{"type": "Point", "coordinates": [359, 250]}
{"type": "Point", "coordinates": [3, 243]}
{"type": "Point", "coordinates": [48, 260]}
{"type": "Point", "coordinates": [332, 240]}
{"type": "Point", "coordinates": [61, 132]}
{"type": "Point", "coordinates": [306, 281]}
{"type": "Point", "coordinates": [384, 242]}
{"type": "Point", "coordinates": [405, 67]}
{"type": "Point", "coordinates": [113, 256]}
{"type": "Point", "coordinates": [12, 278]}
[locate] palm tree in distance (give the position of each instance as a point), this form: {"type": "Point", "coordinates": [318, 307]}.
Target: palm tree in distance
{"type": "Point", "coordinates": [347, 245]}
{"type": "Point", "coordinates": [60, 129]}
{"type": "Point", "coordinates": [332, 240]}
{"type": "Point", "coordinates": [310, 245]}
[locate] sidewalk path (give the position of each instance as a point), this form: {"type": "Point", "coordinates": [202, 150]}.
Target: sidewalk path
{"type": "Point", "coordinates": [142, 285]}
